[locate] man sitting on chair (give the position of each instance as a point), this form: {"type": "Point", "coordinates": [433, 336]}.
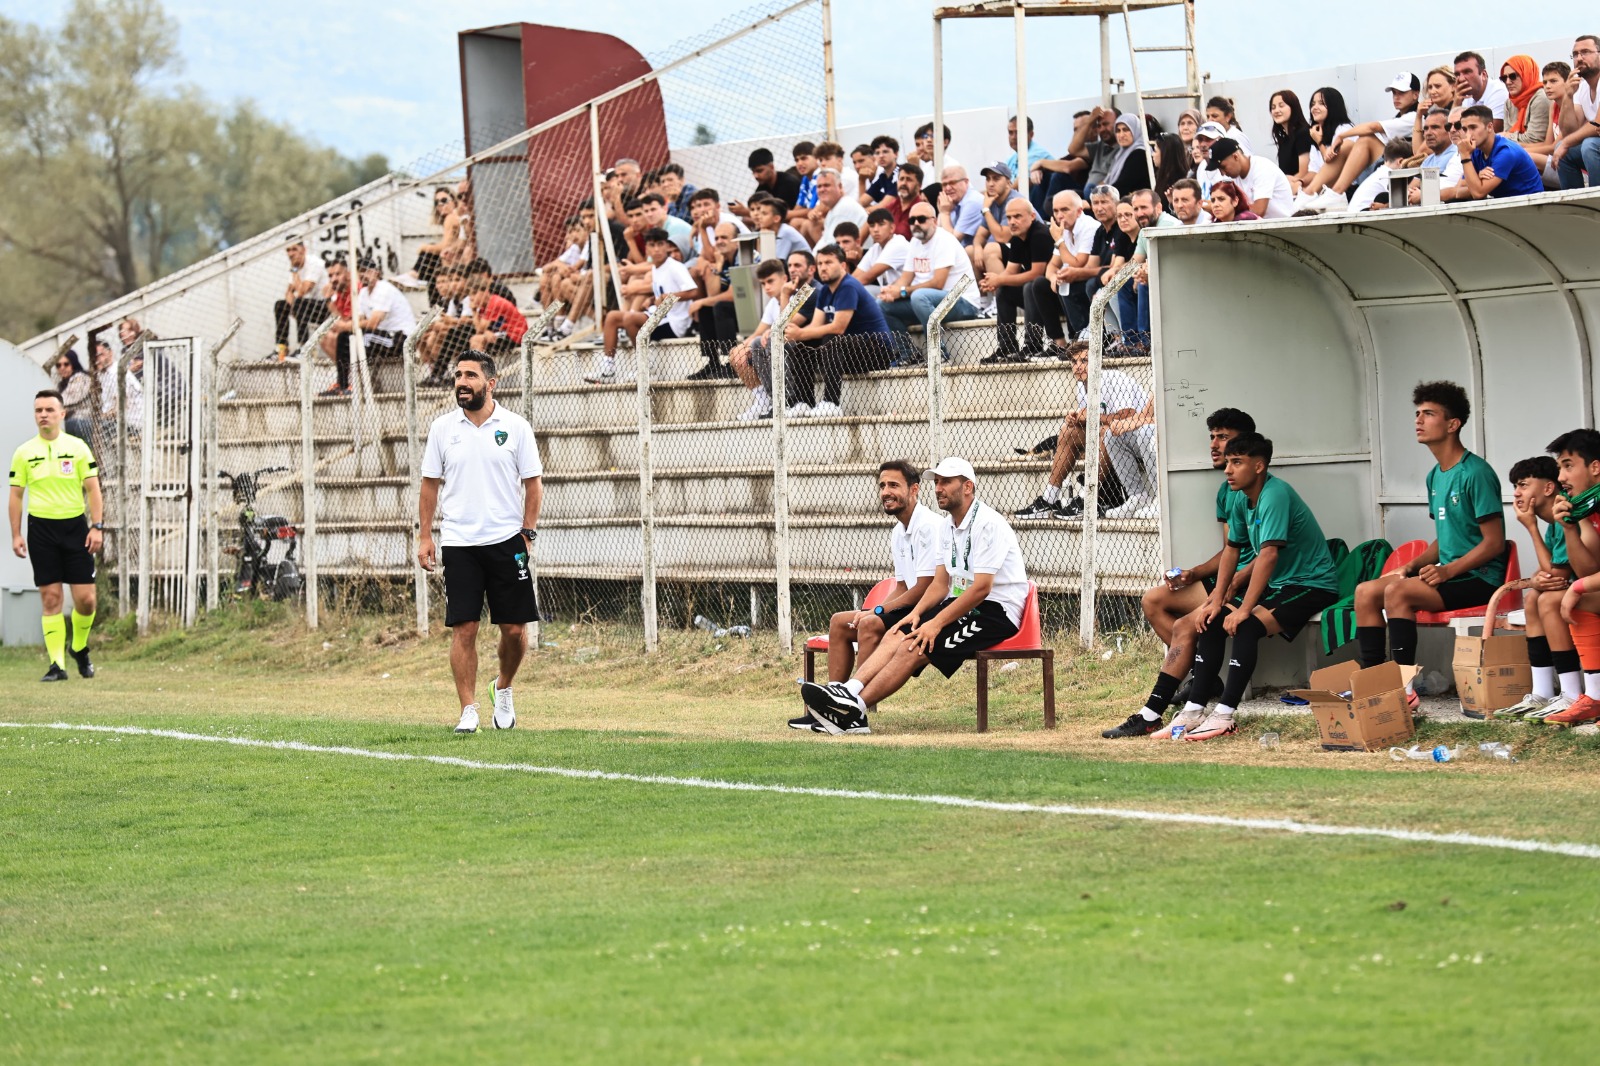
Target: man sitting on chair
{"type": "Point", "coordinates": [974, 602]}
{"type": "Point", "coordinates": [914, 548]}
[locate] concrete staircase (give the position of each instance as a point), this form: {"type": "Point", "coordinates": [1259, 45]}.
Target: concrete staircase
{"type": "Point", "coordinates": [713, 480]}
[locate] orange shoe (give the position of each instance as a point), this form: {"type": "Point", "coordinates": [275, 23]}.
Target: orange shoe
{"type": "Point", "coordinates": [1584, 709]}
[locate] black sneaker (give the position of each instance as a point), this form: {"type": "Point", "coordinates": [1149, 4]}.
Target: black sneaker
{"type": "Point", "coordinates": [705, 373]}
{"type": "Point", "coordinates": [55, 673]}
{"type": "Point", "coordinates": [85, 667]}
{"type": "Point", "coordinates": [834, 696]}
{"type": "Point", "coordinates": [1073, 508]}
{"type": "Point", "coordinates": [999, 358]}
{"type": "Point", "coordinates": [805, 723]}
{"type": "Point", "coordinates": [1137, 725]}
{"type": "Point", "coordinates": [1039, 508]}
{"type": "Point", "coordinates": [836, 720]}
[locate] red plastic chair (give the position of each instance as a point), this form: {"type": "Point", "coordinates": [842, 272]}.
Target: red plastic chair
{"type": "Point", "coordinates": [1027, 643]}
{"type": "Point", "coordinates": [878, 594]}
{"type": "Point", "coordinates": [1444, 618]}
{"type": "Point", "coordinates": [1403, 555]}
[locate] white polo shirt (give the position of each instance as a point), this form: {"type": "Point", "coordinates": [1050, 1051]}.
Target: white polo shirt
{"type": "Point", "coordinates": [985, 543]}
{"type": "Point", "coordinates": [1494, 98]}
{"type": "Point", "coordinates": [915, 547]}
{"type": "Point", "coordinates": [1078, 240]}
{"type": "Point", "coordinates": [483, 468]}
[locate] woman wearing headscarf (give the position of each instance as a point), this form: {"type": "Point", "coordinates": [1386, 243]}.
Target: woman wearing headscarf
{"type": "Point", "coordinates": [1189, 124]}
{"type": "Point", "coordinates": [1129, 170]}
{"type": "Point", "coordinates": [1528, 108]}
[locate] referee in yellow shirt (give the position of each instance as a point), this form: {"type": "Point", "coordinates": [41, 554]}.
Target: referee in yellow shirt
{"type": "Point", "coordinates": [57, 470]}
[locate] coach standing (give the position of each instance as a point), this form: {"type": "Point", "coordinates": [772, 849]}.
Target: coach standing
{"type": "Point", "coordinates": [488, 461]}
{"type": "Point", "coordinates": [56, 470]}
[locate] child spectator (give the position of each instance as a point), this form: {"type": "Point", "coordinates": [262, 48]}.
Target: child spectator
{"type": "Point", "coordinates": [498, 326]}
{"type": "Point", "coordinates": [668, 277]}
{"type": "Point", "coordinates": [885, 259]}
{"type": "Point", "coordinates": [1352, 151]}
{"type": "Point", "coordinates": [1492, 166]}
{"type": "Point", "coordinates": [767, 214]}
{"type": "Point", "coordinates": [805, 168]}
{"type": "Point", "coordinates": [751, 359]}
{"type": "Point", "coordinates": [1329, 118]}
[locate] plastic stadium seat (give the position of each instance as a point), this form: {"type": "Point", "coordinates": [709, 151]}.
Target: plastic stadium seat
{"type": "Point", "coordinates": [1028, 643]}
{"type": "Point", "coordinates": [879, 593]}
{"type": "Point", "coordinates": [1444, 618]}
{"type": "Point", "coordinates": [1402, 555]}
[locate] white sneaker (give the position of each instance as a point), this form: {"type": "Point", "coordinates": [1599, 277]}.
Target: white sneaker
{"type": "Point", "coordinates": [1128, 507]}
{"type": "Point", "coordinates": [505, 715]}
{"type": "Point", "coordinates": [1185, 718]}
{"type": "Point", "coordinates": [566, 327]}
{"type": "Point", "coordinates": [1331, 202]}
{"type": "Point", "coordinates": [607, 375]}
{"type": "Point", "coordinates": [409, 281]}
{"type": "Point", "coordinates": [469, 719]}
{"type": "Point", "coordinates": [1555, 706]}
{"type": "Point", "coordinates": [826, 410]}
{"type": "Point", "coordinates": [799, 410]}
{"type": "Point", "coordinates": [1149, 510]}
{"type": "Point", "coordinates": [759, 409]}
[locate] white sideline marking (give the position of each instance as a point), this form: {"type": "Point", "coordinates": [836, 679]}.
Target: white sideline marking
{"type": "Point", "coordinates": [1280, 825]}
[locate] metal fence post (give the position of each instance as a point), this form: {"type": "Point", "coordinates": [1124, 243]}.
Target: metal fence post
{"type": "Point", "coordinates": [308, 467]}
{"type": "Point", "coordinates": [124, 526]}
{"type": "Point", "coordinates": [532, 638]}
{"type": "Point", "coordinates": [935, 343]}
{"type": "Point", "coordinates": [408, 363]}
{"type": "Point", "coordinates": [647, 501]}
{"type": "Point", "coordinates": [780, 468]}
{"type": "Point", "coordinates": [1088, 554]}
{"type": "Point", "coordinates": [208, 468]}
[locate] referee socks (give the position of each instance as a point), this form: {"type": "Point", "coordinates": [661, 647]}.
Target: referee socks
{"type": "Point", "coordinates": [55, 638]}
{"type": "Point", "coordinates": [81, 624]}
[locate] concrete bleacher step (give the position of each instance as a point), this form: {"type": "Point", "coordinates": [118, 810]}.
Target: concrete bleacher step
{"type": "Point", "coordinates": [718, 546]}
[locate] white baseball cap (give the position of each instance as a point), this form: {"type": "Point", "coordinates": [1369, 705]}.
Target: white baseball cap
{"type": "Point", "coordinates": [1212, 131]}
{"type": "Point", "coordinates": [1405, 82]}
{"type": "Point", "coordinates": [954, 467]}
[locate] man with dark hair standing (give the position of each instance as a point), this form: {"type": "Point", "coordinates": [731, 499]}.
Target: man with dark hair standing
{"type": "Point", "coordinates": [770, 180]}
{"type": "Point", "coordinates": [56, 471]}
{"type": "Point", "coordinates": [487, 460]}
{"type": "Point", "coordinates": [914, 549]}
{"type": "Point", "coordinates": [1467, 560]}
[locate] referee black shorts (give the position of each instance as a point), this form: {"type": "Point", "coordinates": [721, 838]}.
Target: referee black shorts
{"type": "Point", "coordinates": [496, 572]}
{"type": "Point", "coordinates": [57, 552]}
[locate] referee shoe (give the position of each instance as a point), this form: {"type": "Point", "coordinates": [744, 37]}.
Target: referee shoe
{"type": "Point", "coordinates": [85, 667]}
{"type": "Point", "coordinates": [55, 673]}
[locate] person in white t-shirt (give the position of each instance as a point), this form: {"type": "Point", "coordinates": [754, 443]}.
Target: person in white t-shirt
{"type": "Point", "coordinates": [935, 263]}
{"type": "Point", "coordinates": [751, 359]}
{"type": "Point", "coordinates": [1351, 151]}
{"type": "Point", "coordinates": [1064, 288]}
{"type": "Point", "coordinates": [1577, 153]}
{"type": "Point", "coordinates": [1120, 398]}
{"type": "Point", "coordinates": [1366, 196]}
{"type": "Point", "coordinates": [885, 258]}
{"type": "Point", "coordinates": [974, 602]}
{"type": "Point", "coordinates": [481, 471]}
{"type": "Point", "coordinates": [853, 636]}
{"type": "Point", "coordinates": [1475, 86]}
{"type": "Point", "coordinates": [668, 277]}
{"type": "Point", "coordinates": [1267, 187]}
{"type": "Point", "coordinates": [304, 300]}
{"type": "Point", "coordinates": [386, 320]}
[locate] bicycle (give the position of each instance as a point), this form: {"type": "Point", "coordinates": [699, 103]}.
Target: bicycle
{"type": "Point", "coordinates": [259, 573]}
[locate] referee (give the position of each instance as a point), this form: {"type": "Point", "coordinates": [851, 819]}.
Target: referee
{"type": "Point", "coordinates": [56, 469]}
{"type": "Point", "coordinates": [487, 460]}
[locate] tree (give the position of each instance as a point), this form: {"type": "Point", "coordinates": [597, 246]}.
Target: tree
{"type": "Point", "coordinates": [116, 177]}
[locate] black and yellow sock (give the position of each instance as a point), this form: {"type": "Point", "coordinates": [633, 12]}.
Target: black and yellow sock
{"type": "Point", "coordinates": [81, 624]}
{"type": "Point", "coordinates": [55, 639]}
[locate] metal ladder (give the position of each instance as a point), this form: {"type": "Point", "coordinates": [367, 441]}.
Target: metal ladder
{"type": "Point", "coordinates": [1191, 66]}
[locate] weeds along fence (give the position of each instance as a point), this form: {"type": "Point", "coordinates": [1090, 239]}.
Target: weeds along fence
{"type": "Point", "coordinates": [661, 505]}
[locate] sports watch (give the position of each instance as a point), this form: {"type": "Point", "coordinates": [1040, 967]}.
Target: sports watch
{"type": "Point", "coordinates": [97, 525]}
{"type": "Point", "coordinates": [878, 610]}
{"type": "Point", "coordinates": [531, 534]}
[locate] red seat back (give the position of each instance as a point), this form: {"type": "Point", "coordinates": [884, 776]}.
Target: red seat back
{"type": "Point", "coordinates": [1028, 636]}
{"type": "Point", "coordinates": [1408, 551]}
{"type": "Point", "coordinates": [879, 594]}
{"type": "Point", "coordinates": [1513, 567]}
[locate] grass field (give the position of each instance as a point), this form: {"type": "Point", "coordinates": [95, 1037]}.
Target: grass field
{"type": "Point", "coordinates": [165, 900]}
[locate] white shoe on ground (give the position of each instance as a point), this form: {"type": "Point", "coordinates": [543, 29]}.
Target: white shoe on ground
{"type": "Point", "coordinates": [505, 715]}
{"type": "Point", "coordinates": [1128, 507]}
{"type": "Point", "coordinates": [826, 410]}
{"type": "Point", "coordinates": [469, 719]}
{"type": "Point", "coordinates": [799, 410]}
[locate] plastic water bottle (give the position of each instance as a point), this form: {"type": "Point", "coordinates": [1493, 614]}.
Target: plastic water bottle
{"type": "Point", "coordinates": [1269, 740]}
{"type": "Point", "coordinates": [738, 631]}
{"type": "Point", "coordinates": [702, 622]}
{"type": "Point", "coordinates": [1440, 753]}
{"type": "Point", "coordinates": [1178, 731]}
{"type": "Point", "coordinates": [1497, 749]}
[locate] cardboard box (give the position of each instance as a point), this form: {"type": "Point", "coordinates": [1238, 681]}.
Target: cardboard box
{"type": "Point", "coordinates": [1491, 672]}
{"type": "Point", "coordinates": [1374, 715]}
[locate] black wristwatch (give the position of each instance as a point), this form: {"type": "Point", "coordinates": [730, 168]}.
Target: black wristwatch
{"type": "Point", "coordinates": [531, 534]}
{"type": "Point", "coordinates": [878, 610]}
{"type": "Point", "coordinates": [904, 292]}
{"type": "Point", "coordinates": [97, 525]}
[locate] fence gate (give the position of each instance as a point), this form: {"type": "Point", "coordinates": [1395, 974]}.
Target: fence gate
{"type": "Point", "coordinates": [170, 442]}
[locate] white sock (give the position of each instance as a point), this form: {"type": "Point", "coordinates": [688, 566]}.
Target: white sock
{"type": "Point", "coordinates": [608, 364]}
{"type": "Point", "coordinates": [1052, 493]}
{"type": "Point", "coordinates": [1544, 681]}
{"type": "Point", "coordinates": [1193, 706]}
{"type": "Point", "coordinates": [1572, 685]}
{"type": "Point", "coordinates": [855, 686]}
{"type": "Point", "coordinates": [1591, 684]}
{"type": "Point", "coordinates": [761, 396]}
{"type": "Point", "coordinates": [1226, 712]}
{"type": "Point", "coordinates": [1148, 715]}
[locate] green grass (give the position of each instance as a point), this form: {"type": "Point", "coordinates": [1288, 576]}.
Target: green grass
{"type": "Point", "coordinates": [163, 901]}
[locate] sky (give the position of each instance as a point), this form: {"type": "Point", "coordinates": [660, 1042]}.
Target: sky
{"type": "Point", "coordinates": [382, 75]}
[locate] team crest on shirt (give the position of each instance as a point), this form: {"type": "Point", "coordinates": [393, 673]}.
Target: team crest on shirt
{"type": "Point", "coordinates": [501, 436]}
{"type": "Point", "coordinates": [66, 468]}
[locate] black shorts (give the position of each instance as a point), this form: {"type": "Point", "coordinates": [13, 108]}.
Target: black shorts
{"type": "Point", "coordinates": [496, 572]}
{"type": "Point", "coordinates": [892, 617]}
{"type": "Point", "coordinates": [56, 550]}
{"type": "Point", "coordinates": [1460, 593]}
{"type": "Point", "coordinates": [1295, 605]}
{"type": "Point", "coordinates": [983, 627]}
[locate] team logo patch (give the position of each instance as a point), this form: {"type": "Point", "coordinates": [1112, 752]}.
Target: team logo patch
{"type": "Point", "coordinates": [500, 436]}
{"type": "Point", "coordinates": [66, 468]}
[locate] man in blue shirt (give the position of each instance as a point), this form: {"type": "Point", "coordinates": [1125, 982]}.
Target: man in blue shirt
{"type": "Point", "coordinates": [1497, 167]}
{"type": "Point", "coordinates": [841, 329]}
{"type": "Point", "coordinates": [1037, 182]}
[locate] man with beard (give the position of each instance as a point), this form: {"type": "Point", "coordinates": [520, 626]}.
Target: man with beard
{"type": "Point", "coordinates": [487, 459]}
{"type": "Point", "coordinates": [914, 549]}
